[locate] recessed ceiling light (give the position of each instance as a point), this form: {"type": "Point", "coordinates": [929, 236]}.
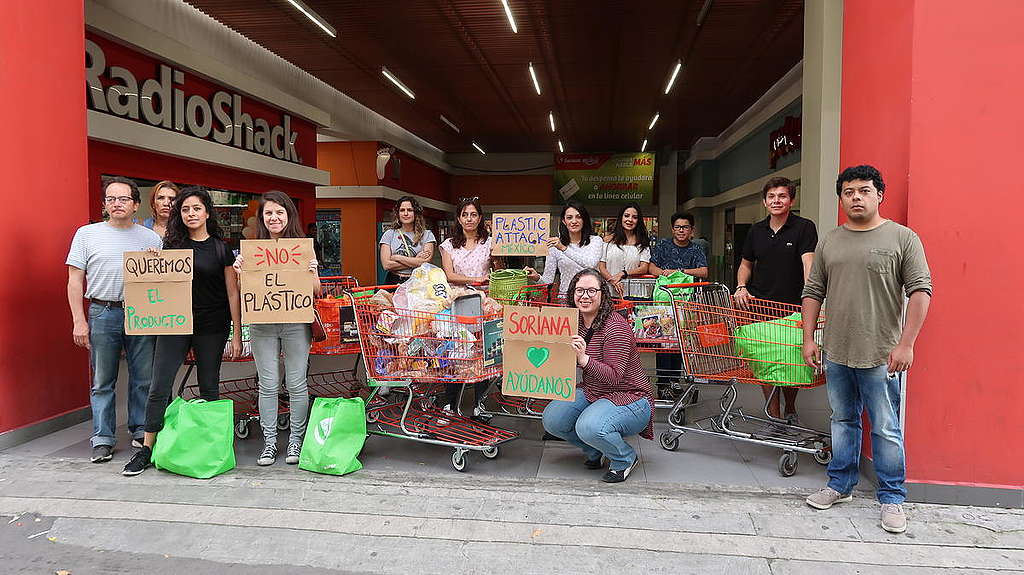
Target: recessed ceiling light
{"type": "Point", "coordinates": [643, 147]}
{"type": "Point", "coordinates": [508, 13]}
{"type": "Point", "coordinates": [560, 148]}
{"type": "Point", "coordinates": [450, 124]}
{"type": "Point", "coordinates": [533, 74]}
{"type": "Point", "coordinates": [672, 78]}
{"type": "Point", "coordinates": [654, 121]}
{"type": "Point", "coordinates": [301, 7]}
{"type": "Point", "coordinates": [478, 148]}
{"type": "Point", "coordinates": [394, 80]}
{"type": "Point", "coordinates": [551, 120]}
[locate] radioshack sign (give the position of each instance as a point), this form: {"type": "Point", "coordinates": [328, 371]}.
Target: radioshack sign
{"type": "Point", "coordinates": [166, 98]}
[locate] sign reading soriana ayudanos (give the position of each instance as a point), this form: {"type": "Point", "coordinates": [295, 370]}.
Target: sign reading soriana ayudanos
{"type": "Point", "coordinates": [605, 178]}
{"type": "Point", "coordinates": [131, 85]}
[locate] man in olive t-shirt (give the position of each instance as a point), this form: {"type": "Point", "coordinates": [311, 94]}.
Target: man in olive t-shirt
{"type": "Point", "coordinates": [863, 269]}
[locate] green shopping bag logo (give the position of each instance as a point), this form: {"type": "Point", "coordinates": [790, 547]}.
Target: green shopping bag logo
{"type": "Point", "coordinates": [323, 430]}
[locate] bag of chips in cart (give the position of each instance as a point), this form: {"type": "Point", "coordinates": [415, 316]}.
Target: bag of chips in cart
{"type": "Point", "coordinates": [197, 439]}
{"type": "Point", "coordinates": [774, 350]}
{"type": "Point", "coordinates": [334, 436]}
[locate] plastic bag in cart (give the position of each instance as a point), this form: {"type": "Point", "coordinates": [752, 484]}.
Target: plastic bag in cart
{"type": "Point", "coordinates": [774, 350]}
{"type": "Point", "coordinates": [426, 290]}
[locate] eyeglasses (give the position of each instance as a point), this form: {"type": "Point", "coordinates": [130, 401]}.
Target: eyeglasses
{"type": "Point", "coordinates": [682, 228]}
{"type": "Point", "coordinates": [118, 199]}
{"type": "Point", "coordinates": [589, 292]}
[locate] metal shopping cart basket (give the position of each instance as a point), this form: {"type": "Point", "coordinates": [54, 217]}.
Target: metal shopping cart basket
{"type": "Point", "coordinates": [725, 346]}
{"type": "Point", "coordinates": [414, 354]}
{"type": "Point", "coordinates": [655, 332]}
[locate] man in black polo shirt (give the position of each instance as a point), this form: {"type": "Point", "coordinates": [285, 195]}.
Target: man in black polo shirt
{"type": "Point", "coordinates": [777, 257]}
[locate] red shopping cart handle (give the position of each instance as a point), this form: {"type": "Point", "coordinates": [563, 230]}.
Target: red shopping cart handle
{"type": "Point", "coordinates": [699, 284]}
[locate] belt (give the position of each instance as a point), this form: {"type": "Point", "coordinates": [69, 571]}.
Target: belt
{"type": "Point", "coordinates": [106, 303]}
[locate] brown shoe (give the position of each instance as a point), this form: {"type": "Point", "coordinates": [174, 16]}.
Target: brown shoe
{"type": "Point", "coordinates": [893, 518]}
{"type": "Point", "coordinates": [827, 497]}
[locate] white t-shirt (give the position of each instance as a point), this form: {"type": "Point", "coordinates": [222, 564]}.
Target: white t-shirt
{"type": "Point", "coordinates": [620, 258]}
{"type": "Point", "coordinates": [405, 246]}
{"type": "Point", "coordinates": [571, 261]}
{"type": "Point", "coordinates": [99, 250]}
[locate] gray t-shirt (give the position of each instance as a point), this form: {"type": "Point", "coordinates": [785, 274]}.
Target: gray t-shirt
{"type": "Point", "coordinates": [862, 277]}
{"type": "Point", "coordinates": [99, 250]}
{"type": "Point", "coordinates": [405, 246]}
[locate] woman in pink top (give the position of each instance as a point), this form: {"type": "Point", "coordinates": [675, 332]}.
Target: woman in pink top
{"type": "Point", "coordinates": [466, 259]}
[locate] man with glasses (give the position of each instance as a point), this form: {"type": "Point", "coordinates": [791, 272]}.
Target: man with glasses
{"type": "Point", "coordinates": [670, 255]}
{"type": "Point", "coordinates": [95, 271]}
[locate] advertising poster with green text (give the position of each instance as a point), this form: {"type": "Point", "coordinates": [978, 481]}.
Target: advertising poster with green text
{"type": "Point", "coordinates": [605, 178]}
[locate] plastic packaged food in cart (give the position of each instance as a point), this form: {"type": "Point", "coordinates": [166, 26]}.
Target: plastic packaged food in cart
{"type": "Point", "coordinates": [426, 290]}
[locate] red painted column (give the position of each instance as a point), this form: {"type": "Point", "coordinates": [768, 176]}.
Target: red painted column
{"type": "Point", "coordinates": [42, 79]}
{"type": "Point", "coordinates": [931, 96]}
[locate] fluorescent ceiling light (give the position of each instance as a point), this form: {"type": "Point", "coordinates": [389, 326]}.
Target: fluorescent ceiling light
{"type": "Point", "coordinates": [551, 120]}
{"type": "Point", "coordinates": [301, 7]}
{"type": "Point", "coordinates": [672, 78]}
{"type": "Point", "coordinates": [643, 147]}
{"type": "Point", "coordinates": [511, 20]}
{"type": "Point", "coordinates": [703, 13]}
{"type": "Point", "coordinates": [479, 149]}
{"type": "Point", "coordinates": [394, 80]}
{"type": "Point", "coordinates": [560, 148]}
{"type": "Point", "coordinates": [450, 124]}
{"type": "Point", "coordinates": [654, 121]}
{"type": "Point", "coordinates": [536, 84]}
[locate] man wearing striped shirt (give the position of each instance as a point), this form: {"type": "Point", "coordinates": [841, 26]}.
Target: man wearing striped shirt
{"type": "Point", "coordinates": [95, 271]}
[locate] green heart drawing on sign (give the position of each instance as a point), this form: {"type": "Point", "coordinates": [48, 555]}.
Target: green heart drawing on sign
{"type": "Point", "coordinates": [538, 355]}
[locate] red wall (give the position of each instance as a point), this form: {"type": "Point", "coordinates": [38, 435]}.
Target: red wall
{"type": "Point", "coordinates": [931, 95]}
{"type": "Point", "coordinates": [417, 177]}
{"type": "Point", "coordinates": [42, 373]}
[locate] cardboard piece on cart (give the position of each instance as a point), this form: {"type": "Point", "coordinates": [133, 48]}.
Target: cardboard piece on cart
{"type": "Point", "coordinates": [538, 359]}
{"type": "Point", "coordinates": [520, 234]}
{"type": "Point", "coordinates": [158, 292]}
{"type": "Point", "coordinates": [277, 286]}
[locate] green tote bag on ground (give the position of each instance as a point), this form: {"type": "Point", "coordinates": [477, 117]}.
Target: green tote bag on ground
{"type": "Point", "coordinates": [334, 436]}
{"type": "Point", "coordinates": [197, 439]}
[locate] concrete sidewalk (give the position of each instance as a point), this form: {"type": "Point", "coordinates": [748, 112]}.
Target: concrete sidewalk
{"type": "Point", "coordinates": [281, 520]}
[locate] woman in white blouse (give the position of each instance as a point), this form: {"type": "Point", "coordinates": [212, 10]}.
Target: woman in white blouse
{"type": "Point", "coordinates": [576, 248]}
{"type": "Point", "coordinates": [627, 251]}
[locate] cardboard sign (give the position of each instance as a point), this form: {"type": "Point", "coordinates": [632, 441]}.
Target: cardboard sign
{"type": "Point", "coordinates": [520, 234]}
{"type": "Point", "coordinates": [158, 292]}
{"type": "Point", "coordinates": [277, 286]}
{"type": "Point", "coordinates": [538, 359]}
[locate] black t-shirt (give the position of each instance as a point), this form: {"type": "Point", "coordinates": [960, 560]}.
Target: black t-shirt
{"type": "Point", "coordinates": [778, 270]}
{"type": "Point", "coordinates": [210, 310]}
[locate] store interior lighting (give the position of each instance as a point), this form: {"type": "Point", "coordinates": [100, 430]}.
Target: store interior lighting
{"type": "Point", "coordinates": [479, 149]}
{"type": "Point", "coordinates": [508, 13]}
{"type": "Point", "coordinates": [551, 120]}
{"type": "Point", "coordinates": [654, 121]}
{"type": "Point", "coordinates": [643, 147]}
{"type": "Point", "coordinates": [450, 124]}
{"type": "Point", "coordinates": [672, 78]}
{"type": "Point", "coordinates": [533, 75]}
{"type": "Point", "coordinates": [394, 80]}
{"type": "Point", "coordinates": [301, 7]}
{"type": "Point", "coordinates": [560, 148]}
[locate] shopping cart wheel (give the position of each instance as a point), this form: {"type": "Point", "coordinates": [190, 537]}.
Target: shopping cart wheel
{"type": "Point", "coordinates": [490, 452]}
{"type": "Point", "coordinates": [788, 463]}
{"type": "Point", "coordinates": [284, 421]}
{"type": "Point", "coordinates": [677, 416]}
{"type": "Point", "coordinates": [372, 416]}
{"type": "Point", "coordinates": [242, 428]}
{"type": "Point", "coordinates": [669, 441]}
{"type": "Point", "coordinates": [823, 455]}
{"type": "Point", "coordinates": [459, 460]}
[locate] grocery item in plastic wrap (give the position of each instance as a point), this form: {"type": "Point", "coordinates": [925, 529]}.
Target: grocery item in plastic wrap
{"type": "Point", "coordinates": [426, 290]}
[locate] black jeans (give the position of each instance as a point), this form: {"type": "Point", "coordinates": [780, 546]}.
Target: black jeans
{"type": "Point", "coordinates": [170, 354]}
{"type": "Point", "coordinates": [452, 393]}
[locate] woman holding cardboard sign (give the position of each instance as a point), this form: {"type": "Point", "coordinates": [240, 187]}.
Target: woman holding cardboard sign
{"type": "Point", "coordinates": [193, 225]}
{"type": "Point", "coordinates": [279, 218]}
{"type": "Point", "coordinates": [576, 248]}
{"type": "Point", "coordinates": [614, 398]}
{"type": "Point", "coordinates": [408, 244]}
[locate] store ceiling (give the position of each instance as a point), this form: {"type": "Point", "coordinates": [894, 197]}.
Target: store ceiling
{"type": "Point", "coordinates": [602, 65]}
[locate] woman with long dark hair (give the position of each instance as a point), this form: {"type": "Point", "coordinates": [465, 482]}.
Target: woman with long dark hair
{"type": "Point", "coordinates": [628, 251]}
{"type": "Point", "coordinates": [278, 218]}
{"type": "Point", "coordinates": [215, 308]}
{"type": "Point", "coordinates": [576, 247]}
{"type": "Point", "coordinates": [614, 398]}
{"type": "Point", "coordinates": [407, 244]}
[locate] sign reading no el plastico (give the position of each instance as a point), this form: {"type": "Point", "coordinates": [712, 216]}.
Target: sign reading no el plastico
{"type": "Point", "coordinates": [277, 286]}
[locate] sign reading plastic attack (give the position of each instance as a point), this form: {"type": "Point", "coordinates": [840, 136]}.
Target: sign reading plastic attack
{"type": "Point", "coordinates": [130, 85]}
{"type": "Point", "coordinates": [605, 178]}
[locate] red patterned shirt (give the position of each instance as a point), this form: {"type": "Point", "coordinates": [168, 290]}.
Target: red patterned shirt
{"type": "Point", "coordinates": [614, 371]}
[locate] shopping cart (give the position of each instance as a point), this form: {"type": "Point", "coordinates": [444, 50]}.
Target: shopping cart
{"type": "Point", "coordinates": [655, 333]}
{"type": "Point", "coordinates": [415, 354]}
{"type": "Point", "coordinates": [725, 346]}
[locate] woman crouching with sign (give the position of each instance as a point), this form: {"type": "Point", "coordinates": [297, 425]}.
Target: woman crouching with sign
{"type": "Point", "coordinates": [193, 225]}
{"type": "Point", "coordinates": [614, 398]}
{"type": "Point", "coordinates": [280, 219]}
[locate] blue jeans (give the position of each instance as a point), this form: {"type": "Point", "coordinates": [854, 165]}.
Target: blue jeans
{"type": "Point", "coordinates": [850, 390]}
{"type": "Point", "coordinates": [107, 339]}
{"type": "Point", "coordinates": [598, 428]}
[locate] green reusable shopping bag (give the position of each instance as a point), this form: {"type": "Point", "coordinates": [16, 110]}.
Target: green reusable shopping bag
{"type": "Point", "coordinates": [197, 439]}
{"type": "Point", "coordinates": [677, 277]}
{"type": "Point", "coordinates": [773, 350]}
{"type": "Point", "coordinates": [334, 436]}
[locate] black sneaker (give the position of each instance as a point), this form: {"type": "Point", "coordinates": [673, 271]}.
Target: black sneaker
{"type": "Point", "coordinates": [139, 462]}
{"type": "Point", "coordinates": [596, 463]}
{"type": "Point", "coordinates": [268, 455]}
{"type": "Point", "coordinates": [551, 437]}
{"type": "Point", "coordinates": [620, 475]}
{"type": "Point", "coordinates": [102, 453]}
